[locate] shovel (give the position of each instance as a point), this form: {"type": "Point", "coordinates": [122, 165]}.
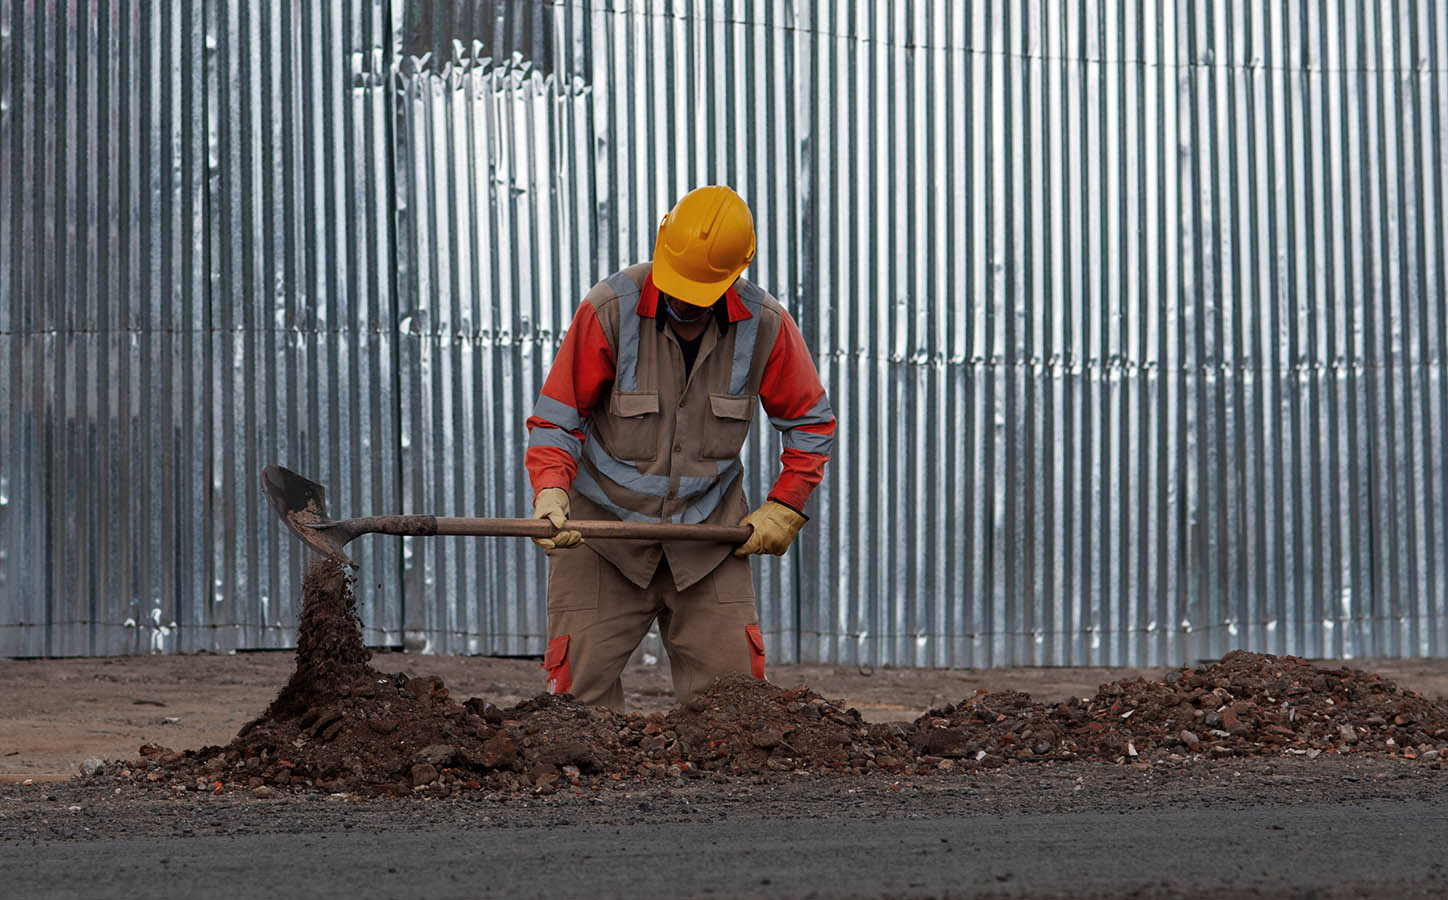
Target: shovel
{"type": "Point", "coordinates": [302, 505]}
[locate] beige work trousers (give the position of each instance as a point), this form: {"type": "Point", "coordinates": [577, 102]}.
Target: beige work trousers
{"type": "Point", "coordinates": [596, 618]}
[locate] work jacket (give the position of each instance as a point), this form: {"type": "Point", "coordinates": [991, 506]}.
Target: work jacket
{"type": "Point", "coordinates": [622, 429]}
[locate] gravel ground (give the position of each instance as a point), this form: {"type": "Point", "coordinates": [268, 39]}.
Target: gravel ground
{"type": "Point", "coordinates": [1339, 793]}
{"type": "Point", "coordinates": [1277, 826]}
{"type": "Point", "coordinates": [93, 809]}
{"type": "Point", "coordinates": [1176, 854]}
{"type": "Point", "coordinates": [1324, 828]}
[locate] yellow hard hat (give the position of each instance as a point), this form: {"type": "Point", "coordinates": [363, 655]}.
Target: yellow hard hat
{"type": "Point", "coordinates": [704, 242]}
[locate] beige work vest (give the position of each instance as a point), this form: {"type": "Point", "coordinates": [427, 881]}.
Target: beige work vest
{"type": "Point", "coordinates": [658, 448]}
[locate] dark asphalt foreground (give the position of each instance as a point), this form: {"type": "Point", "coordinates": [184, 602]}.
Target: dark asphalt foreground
{"type": "Point", "coordinates": [1330, 828]}
{"type": "Point", "coordinates": [1389, 850]}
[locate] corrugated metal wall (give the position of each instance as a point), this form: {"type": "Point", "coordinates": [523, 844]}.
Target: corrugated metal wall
{"type": "Point", "coordinates": [1164, 330]}
{"type": "Point", "coordinates": [1164, 325]}
{"type": "Point", "coordinates": [540, 146]}
{"type": "Point", "coordinates": [1133, 312]}
{"type": "Point", "coordinates": [196, 267]}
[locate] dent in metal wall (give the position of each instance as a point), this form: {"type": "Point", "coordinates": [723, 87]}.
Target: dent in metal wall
{"type": "Point", "coordinates": [195, 280]}
{"type": "Point", "coordinates": [1132, 314]}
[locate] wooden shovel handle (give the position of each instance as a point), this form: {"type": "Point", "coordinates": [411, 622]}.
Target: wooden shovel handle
{"type": "Point", "coordinates": [542, 528]}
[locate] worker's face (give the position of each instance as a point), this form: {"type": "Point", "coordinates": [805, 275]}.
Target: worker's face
{"type": "Point", "coordinates": [686, 312]}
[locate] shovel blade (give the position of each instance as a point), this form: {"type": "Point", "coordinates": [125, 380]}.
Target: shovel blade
{"type": "Point", "coordinates": [301, 504]}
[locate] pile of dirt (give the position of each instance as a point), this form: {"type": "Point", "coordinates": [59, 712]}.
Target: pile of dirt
{"type": "Point", "coordinates": [744, 726]}
{"type": "Point", "coordinates": [339, 725]}
{"type": "Point", "coordinates": [330, 652]}
{"type": "Point", "coordinates": [989, 729]}
{"type": "Point", "coordinates": [1248, 704]}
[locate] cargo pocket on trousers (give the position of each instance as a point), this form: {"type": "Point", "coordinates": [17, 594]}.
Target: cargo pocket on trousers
{"type": "Point", "coordinates": [756, 651]}
{"type": "Point", "coordinates": [573, 579]}
{"type": "Point", "coordinates": [734, 581]}
{"type": "Point", "coordinates": [555, 663]}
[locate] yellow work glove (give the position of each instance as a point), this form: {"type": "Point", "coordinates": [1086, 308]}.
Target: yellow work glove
{"type": "Point", "coordinates": [552, 504]}
{"type": "Point", "coordinates": [775, 526]}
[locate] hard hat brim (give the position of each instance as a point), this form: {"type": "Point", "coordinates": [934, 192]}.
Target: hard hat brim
{"type": "Point", "coordinates": [694, 293]}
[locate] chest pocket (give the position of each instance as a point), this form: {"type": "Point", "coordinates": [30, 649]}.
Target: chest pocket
{"type": "Point", "coordinates": [633, 427]}
{"type": "Point", "coordinates": [731, 415]}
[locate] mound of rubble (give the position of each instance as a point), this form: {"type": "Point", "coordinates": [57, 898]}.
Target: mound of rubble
{"type": "Point", "coordinates": [1248, 704]}
{"type": "Point", "coordinates": [341, 726]}
{"type": "Point", "coordinates": [392, 735]}
{"type": "Point", "coordinates": [744, 726]}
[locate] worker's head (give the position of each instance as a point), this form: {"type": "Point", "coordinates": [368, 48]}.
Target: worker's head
{"type": "Point", "coordinates": [704, 242]}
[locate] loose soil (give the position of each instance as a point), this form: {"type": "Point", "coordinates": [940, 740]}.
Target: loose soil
{"type": "Point", "coordinates": [342, 727]}
{"type": "Point", "coordinates": [1248, 704]}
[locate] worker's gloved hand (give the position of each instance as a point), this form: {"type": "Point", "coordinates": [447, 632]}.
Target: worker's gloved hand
{"type": "Point", "coordinates": [552, 504]}
{"type": "Point", "coordinates": [775, 526]}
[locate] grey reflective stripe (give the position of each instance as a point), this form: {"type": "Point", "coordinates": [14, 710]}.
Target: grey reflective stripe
{"type": "Point", "coordinates": [625, 374]}
{"type": "Point", "coordinates": [746, 334]}
{"type": "Point", "coordinates": [557, 412]}
{"type": "Point", "coordinates": [704, 507]}
{"type": "Point", "coordinates": [808, 441]}
{"type": "Point", "coordinates": [585, 484]}
{"type": "Point", "coordinates": [626, 475]}
{"type": "Point", "coordinates": [543, 436]}
{"type": "Point", "coordinates": [820, 414]}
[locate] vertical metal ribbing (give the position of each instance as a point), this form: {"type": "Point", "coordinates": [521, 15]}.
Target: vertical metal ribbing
{"type": "Point", "coordinates": [1434, 42]}
{"type": "Point", "coordinates": [139, 330]}
{"type": "Point", "coordinates": [1340, 324]}
{"type": "Point", "coordinates": [1132, 312]}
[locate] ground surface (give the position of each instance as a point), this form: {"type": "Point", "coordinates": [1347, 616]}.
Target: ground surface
{"type": "Point", "coordinates": [1327, 827]}
{"type": "Point", "coordinates": [1290, 828]}
{"type": "Point", "coordinates": [59, 712]}
{"type": "Point", "coordinates": [63, 711]}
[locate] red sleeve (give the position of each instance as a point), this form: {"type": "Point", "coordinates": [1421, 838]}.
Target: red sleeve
{"type": "Point", "coordinates": [796, 403]}
{"type": "Point", "coordinates": [581, 372]}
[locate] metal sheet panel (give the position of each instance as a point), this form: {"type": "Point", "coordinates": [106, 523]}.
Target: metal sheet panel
{"type": "Point", "coordinates": [196, 268]}
{"type": "Point", "coordinates": [525, 178]}
{"type": "Point", "coordinates": [1132, 314]}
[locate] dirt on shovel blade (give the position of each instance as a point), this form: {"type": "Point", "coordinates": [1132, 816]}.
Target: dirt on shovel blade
{"type": "Point", "coordinates": [341, 726]}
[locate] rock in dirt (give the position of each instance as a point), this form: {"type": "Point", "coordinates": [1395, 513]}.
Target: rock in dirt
{"type": "Point", "coordinates": [437, 754]}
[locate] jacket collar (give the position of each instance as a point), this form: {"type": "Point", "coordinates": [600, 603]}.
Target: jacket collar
{"type": "Point", "coordinates": [649, 302]}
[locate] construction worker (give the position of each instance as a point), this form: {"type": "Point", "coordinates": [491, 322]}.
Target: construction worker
{"type": "Point", "coordinates": [642, 418]}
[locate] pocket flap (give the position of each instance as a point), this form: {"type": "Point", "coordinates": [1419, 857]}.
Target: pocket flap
{"type": "Point", "coordinates": [635, 403]}
{"type": "Point", "coordinates": [557, 652]}
{"type": "Point", "coordinates": [732, 406]}
{"type": "Point", "coordinates": [755, 638]}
